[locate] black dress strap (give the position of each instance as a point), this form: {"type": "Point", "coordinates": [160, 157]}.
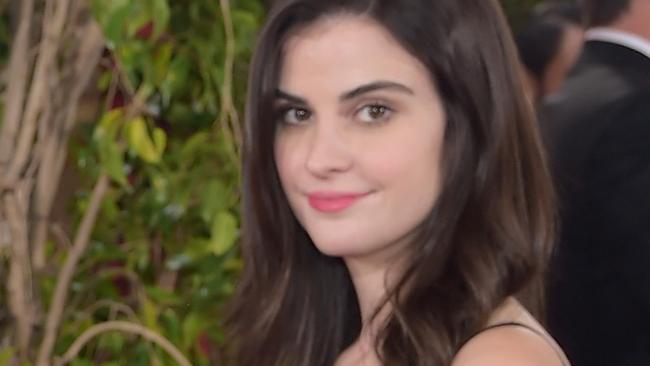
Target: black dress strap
{"type": "Point", "coordinates": [509, 324]}
{"type": "Point", "coordinates": [544, 336]}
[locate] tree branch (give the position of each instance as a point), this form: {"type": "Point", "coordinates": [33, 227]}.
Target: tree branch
{"type": "Point", "coordinates": [112, 305]}
{"type": "Point", "coordinates": [18, 70]}
{"type": "Point", "coordinates": [55, 153]}
{"type": "Point", "coordinates": [19, 284]}
{"type": "Point", "coordinates": [68, 270]}
{"type": "Point", "coordinates": [228, 110]}
{"type": "Point", "coordinates": [52, 28]}
{"type": "Point", "coordinates": [126, 327]}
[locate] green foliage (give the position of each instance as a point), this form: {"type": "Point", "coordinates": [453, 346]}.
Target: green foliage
{"type": "Point", "coordinates": [518, 11]}
{"type": "Point", "coordinates": [6, 355]}
{"type": "Point", "coordinates": [165, 241]}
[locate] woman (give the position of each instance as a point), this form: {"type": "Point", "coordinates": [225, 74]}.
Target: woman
{"type": "Point", "coordinates": [396, 199]}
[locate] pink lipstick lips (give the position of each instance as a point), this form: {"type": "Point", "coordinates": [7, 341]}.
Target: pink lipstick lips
{"type": "Point", "coordinates": [332, 202]}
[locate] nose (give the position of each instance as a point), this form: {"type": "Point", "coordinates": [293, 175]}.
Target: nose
{"type": "Point", "coordinates": [328, 153]}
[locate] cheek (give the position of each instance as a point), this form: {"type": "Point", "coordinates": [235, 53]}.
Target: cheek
{"type": "Point", "coordinates": [411, 178]}
{"type": "Point", "coordinates": [409, 157]}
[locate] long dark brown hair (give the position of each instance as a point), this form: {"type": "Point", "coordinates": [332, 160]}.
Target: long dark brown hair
{"type": "Point", "coordinates": [487, 237]}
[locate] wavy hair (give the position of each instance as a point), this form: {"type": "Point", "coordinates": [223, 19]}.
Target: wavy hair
{"type": "Point", "coordinates": [487, 237]}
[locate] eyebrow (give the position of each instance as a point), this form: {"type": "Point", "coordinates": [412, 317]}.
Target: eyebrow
{"type": "Point", "coordinates": [363, 89]}
{"type": "Point", "coordinates": [376, 85]}
{"type": "Point", "coordinates": [279, 94]}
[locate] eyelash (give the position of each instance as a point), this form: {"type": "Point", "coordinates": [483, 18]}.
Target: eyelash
{"type": "Point", "coordinates": [283, 112]}
{"type": "Point", "coordinates": [386, 111]}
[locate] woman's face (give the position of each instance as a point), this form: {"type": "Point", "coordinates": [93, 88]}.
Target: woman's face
{"type": "Point", "coordinates": [359, 137]}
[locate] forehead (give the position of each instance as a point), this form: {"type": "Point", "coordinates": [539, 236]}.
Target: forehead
{"type": "Point", "coordinates": [345, 51]}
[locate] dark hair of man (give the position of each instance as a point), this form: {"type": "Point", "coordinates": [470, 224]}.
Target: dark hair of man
{"type": "Point", "coordinates": [600, 13]}
{"type": "Point", "coordinates": [487, 237]}
{"type": "Point", "coordinates": [538, 42]}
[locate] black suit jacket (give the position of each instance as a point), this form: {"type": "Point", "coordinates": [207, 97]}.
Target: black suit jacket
{"type": "Point", "coordinates": [597, 131]}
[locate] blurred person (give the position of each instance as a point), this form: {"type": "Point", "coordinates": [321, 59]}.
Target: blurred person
{"type": "Point", "coordinates": [396, 201]}
{"type": "Point", "coordinates": [549, 46]}
{"type": "Point", "coordinates": [596, 132]}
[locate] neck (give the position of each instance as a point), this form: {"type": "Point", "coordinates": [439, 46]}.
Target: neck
{"type": "Point", "coordinates": [635, 19]}
{"type": "Point", "coordinates": [372, 278]}
{"type": "Point", "coordinates": [373, 274]}
{"type": "Point", "coordinates": [370, 284]}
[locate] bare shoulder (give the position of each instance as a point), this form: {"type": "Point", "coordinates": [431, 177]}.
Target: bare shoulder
{"type": "Point", "coordinates": [507, 346]}
{"type": "Point", "coordinates": [519, 341]}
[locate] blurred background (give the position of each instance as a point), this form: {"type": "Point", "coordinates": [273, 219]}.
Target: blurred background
{"type": "Point", "coordinates": [120, 139]}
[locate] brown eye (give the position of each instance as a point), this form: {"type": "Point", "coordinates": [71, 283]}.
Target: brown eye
{"type": "Point", "coordinates": [295, 116]}
{"type": "Point", "coordinates": [374, 113]}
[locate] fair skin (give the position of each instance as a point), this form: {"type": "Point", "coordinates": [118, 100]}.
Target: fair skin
{"type": "Point", "coordinates": [558, 68]}
{"type": "Point", "coordinates": [510, 345]}
{"type": "Point", "coordinates": [358, 151]}
{"type": "Point", "coordinates": [566, 56]}
{"type": "Point", "coordinates": [356, 122]}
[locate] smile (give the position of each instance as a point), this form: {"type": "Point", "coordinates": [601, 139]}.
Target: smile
{"type": "Point", "coordinates": [331, 202]}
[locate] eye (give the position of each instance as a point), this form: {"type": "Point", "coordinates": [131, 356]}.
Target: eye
{"type": "Point", "coordinates": [294, 115]}
{"type": "Point", "coordinates": [374, 113]}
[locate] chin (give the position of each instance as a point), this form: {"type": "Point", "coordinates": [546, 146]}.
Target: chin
{"type": "Point", "coordinates": [339, 247]}
{"type": "Point", "coordinates": [341, 239]}
{"type": "Point", "coordinates": [333, 248]}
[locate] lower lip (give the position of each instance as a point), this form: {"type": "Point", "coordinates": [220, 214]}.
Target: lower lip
{"type": "Point", "coordinates": [332, 205]}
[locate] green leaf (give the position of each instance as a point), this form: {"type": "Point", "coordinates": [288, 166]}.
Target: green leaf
{"type": "Point", "coordinates": [150, 314]}
{"type": "Point", "coordinates": [245, 30]}
{"type": "Point", "coordinates": [113, 341]}
{"type": "Point", "coordinates": [163, 296]}
{"type": "Point", "coordinates": [233, 265]}
{"type": "Point", "coordinates": [214, 199]}
{"type": "Point", "coordinates": [108, 126]}
{"type": "Point", "coordinates": [81, 362]}
{"type": "Point", "coordinates": [192, 326]}
{"type": "Point", "coordinates": [111, 154]}
{"type": "Point", "coordinates": [142, 354]}
{"type": "Point", "coordinates": [104, 80]}
{"type": "Point", "coordinates": [103, 9]}
{"type": "Point", "coordinates": [175, 78]}
{"type": "Point", "coordinates": [140, 142]}
{"type": "Point", "coordinates": [112, 159]}
{"type": "Point", "coordinates": [6, 355]}
{"type": "Point", "coordinates": [224, 233]}
{"type": "Point", "coordinates": [116, 23]}
{"type": "Point", "coordinates": [160, 15]}
{"type": "Point", "coordinates": [161, 62]}
{"type": "Point", "coordinates": [172, 326]}
{"type": "Point", "coordinates": [194, 145]}
{"type": "Point", "coordinates": [159, 140]}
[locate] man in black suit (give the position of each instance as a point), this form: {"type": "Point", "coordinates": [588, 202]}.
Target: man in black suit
{"type": "Point", "coordinates": [597, 130]}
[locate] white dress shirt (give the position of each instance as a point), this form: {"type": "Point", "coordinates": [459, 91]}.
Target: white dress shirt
{"type": "Point", "coordinates": [625, 39]}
